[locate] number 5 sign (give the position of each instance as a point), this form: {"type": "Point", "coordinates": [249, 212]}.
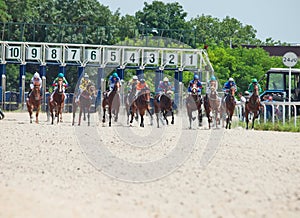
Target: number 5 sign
{"type": "Point", "coordinates": [290, 59]}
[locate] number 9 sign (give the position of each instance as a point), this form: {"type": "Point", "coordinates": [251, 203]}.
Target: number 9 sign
{"type": "Point", "coordinates": [33, 53]}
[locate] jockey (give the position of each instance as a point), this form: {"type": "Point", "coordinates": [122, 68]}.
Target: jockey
{"type": "Point", "coordinates": [194, 82]}
{"type": "Point", "coordinates": [84, 82]}
{"type": "Point", "coordinates": [132, 84]}
{"type": "Point", "coordinates": [212, 83]}
{"type": "Point", "coordinates": [65, 84]}
{"type": "Point", "coordinates": [230, 83]}
{"type": "Point", "coordinates": [112, 80]}
{"type": "Point", "coordinates": [141, 85]}
{"type": "Point", "coordinates": [165, 87]}
{"type": "Point", "coordinates": [35, 80]}
{"type": "Point", "coordinates": [251, 86]}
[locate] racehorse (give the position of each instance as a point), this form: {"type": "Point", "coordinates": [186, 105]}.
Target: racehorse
{"type": "Point", "coordinates": [129, 100]}
{"type": "Point", "coordinates": [85, 102]}
{"type": "Point", "coordinates": [193, 103]}
{"type": "Point", "coordinates": [163, 105]}
{"type": "Point", "coordinates": [112, 100]}
{"type": "Point", "coordinates": [141, 104]}
{"type": "Point", "coordinates": [212, 106]}
{"type": "Point", "coordinates": [58, 102]}
{"type": "Point", "coordinates": [253, 105]}
{"type": "Point", "coordinates": [34, 102]}
{"type": "Point", "coordinates": [229, 106]}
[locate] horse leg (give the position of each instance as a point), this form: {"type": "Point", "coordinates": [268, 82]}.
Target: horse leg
{"type": "Point", "coordinates": [172, 113]}
{"type": "Point", "coordinates": [247, 118]}
{"type": "Point", "coordinates": [199, 117]}
{"type": "Point", "coordinates": [104, 111]}
{"type": "Point", "coordinates": [151, 117]}
{"type": "Point", "coordinates": [37, 115]}
{"type": "Point", "coordinates": [157, 119]}
{"type": "Point", "coordinates": [84, 116]}
{"type": "Point", "coordinates": [164, 112]}
{"type": "Point", "coordinates": [190, 118]}
{"type": "Point", "coordinates": [142, 120]}
{"type": "Point", "coordinates": [88, 115]}
{"type": "Point", "coordinates": [253, 119]}
{"type": "Point", "coordinates": [79, 116]}
{"type": "Point", "coordinates": [110, 115]}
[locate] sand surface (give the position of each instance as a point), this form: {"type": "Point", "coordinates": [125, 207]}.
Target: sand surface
{"type": "Point", "coordinates": [45, 172]}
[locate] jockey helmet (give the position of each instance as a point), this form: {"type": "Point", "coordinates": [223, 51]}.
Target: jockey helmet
{"type": "Point", "coordinates": [166, 79]}
{"type": "Point", "coordinates": [86, 75]}
{"type": "Point", "coordinates": [135, 77]}
{"type": "Point", "coordinates": [247, 93]}
{"type": "Point", "coordinates": [196, 76]}
{"type": "Point", "coordinates": [115, 75]}
{"type": "Point", "coordinates": [142, 80]}
{"type": "Point", "coordinates": [60, 75]}
{"type": "Point", "coordinates": [231, 79]}
{"type": "Point", "coordinates": [213, 78]}
{"type": "Point", "coordinates": [36, 75]}
{"type": "Point", "coordinates": [254, 80]}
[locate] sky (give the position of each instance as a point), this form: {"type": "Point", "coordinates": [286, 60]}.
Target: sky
{"type": "Point", "coordinates": [270, 18]}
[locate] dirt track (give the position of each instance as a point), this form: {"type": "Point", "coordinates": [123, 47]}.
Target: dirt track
{"type": "Point", "coordinates": [45, 173]}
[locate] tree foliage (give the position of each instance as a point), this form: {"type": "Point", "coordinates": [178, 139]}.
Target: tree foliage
{"type": "Point", "coordinates": [88, 21]}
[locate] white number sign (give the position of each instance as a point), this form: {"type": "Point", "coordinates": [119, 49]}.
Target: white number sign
{"type": "Point", "coordinates": [92, 55]}
{"type": "Point", "coordinates": [132, 57]}
{"type": "Point", "coordinates": [113, 56]}
{"type": "Point", "coordinates": [73, 54]}
{"type": "Point", "coordinates": [171, 58]}
{"type": "Point", "coordinates": [290, 59]}
{"type": "Point", "coordinates": [53, 54]}
{"type": "Point", "coordinates": [13, 52]}
{"type": "Point", "coordinates": [151, 57]}
{"type": "Point", "coordinates": [33, 53]}
{"type": "Point", "coordinates": [190, 59]}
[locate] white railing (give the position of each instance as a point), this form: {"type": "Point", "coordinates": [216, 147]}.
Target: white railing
{"type": "Point", "coordinates": [279, 111]}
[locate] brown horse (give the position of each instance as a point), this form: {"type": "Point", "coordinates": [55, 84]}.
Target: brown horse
{"type": "Point", "coordinates": [85, 102]}
{"type": "Point", "coordinates": [253, 105]}
{"type": "Point", "coordinates": [141, 104]}
{"type": "Point", "coordinates": [58, 102]}
{"type": "Point", "coordinates": [212, 106]}
{"type": "Point", "coordinates": [129, 100]}
{"type": "Point", "coordinates": [193, 103]}
{"type": "Point", "coordinates": [229, 106]}
{"type": "Point", "coordinates": [34, 102]}
{"type": "Point", "coordinates": [164, 106]}
{"type": "Point", "coordinates": [112, 101]}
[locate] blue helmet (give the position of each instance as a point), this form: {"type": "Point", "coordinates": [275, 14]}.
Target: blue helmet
{"type": "Point", "coordinates": [213, 78]}
{"type": "Point", "coordinates": [115, 75]}
{"type": "Point", "coordinates": [196, 76]}
{"type": "Point", "coordinates": [60, 75]}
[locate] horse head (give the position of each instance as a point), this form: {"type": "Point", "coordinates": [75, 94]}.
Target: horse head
{"type": "Point", "coordinates": [36, 92]}
{"type": "Point", "coordinates": [194, 89]}
{"type": "Point", "coordinates": [60, 89]}
{"type": "Point", "coordinates": [255, 89]}
{"type": "Point", "coordinates": [117, 86]}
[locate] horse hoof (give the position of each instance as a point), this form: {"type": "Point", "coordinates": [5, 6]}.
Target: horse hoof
{"type": "Point", "coordinates": [172, 122]}
{"type": "Point", "coordinates": [141, 125]}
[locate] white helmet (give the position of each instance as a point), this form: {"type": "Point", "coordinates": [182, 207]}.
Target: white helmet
{"type": "Point", "coordinates": [231, 79]}
{"type": "Point", "coordinates": [166, 79]}
{"type": "Point", "coordinates": [86, 75]}
{"type": "Point", "coordinates": [135, 77]}
{"type": "Point", "coordinates": [36, 75]}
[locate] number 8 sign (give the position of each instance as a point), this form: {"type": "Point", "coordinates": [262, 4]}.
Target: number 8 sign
{"type": "Point", "coordinates": [53, 54]}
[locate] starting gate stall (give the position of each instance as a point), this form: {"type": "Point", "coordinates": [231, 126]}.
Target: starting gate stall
{"type": "Point", "coordinates": [102, 56]}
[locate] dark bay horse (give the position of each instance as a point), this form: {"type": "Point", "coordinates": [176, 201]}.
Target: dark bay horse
{"type": "Point", "coordinates": [34, 102]}
{"type": "Point", "coordinates": [253, 105]}
{"type": "Point", "coordinates": [193, 103]}
{"type": "Point", "coordinates": [229, 106]}
{"type": "Point", "coordinates": [112, 101]}
{"type": "Point", "coordinates": [164, 106]}
{"type": "Point", "coordinates": [212, 106]}
{"type": "Point", "coordinates": [58, 102]}
{"type": "Point", "coordinates": [84, 103]}
{"type": "Point", "coordinates": [141, 105]}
